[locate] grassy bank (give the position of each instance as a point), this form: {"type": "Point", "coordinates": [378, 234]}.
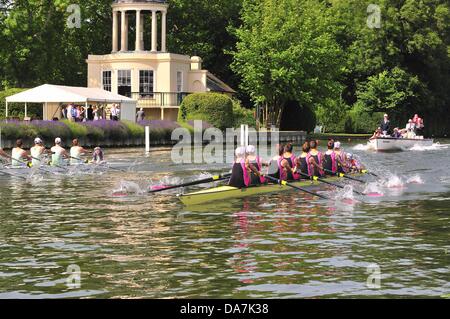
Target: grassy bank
{"type": "Point", "coordinates": [339, 136]}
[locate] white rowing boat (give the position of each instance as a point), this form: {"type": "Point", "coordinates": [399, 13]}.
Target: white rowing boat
{"type": "Point", "coordinates": [386, 144]}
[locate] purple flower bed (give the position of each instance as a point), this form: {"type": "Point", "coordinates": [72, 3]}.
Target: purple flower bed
{"type": "Point", "coordinates": [159, 124]}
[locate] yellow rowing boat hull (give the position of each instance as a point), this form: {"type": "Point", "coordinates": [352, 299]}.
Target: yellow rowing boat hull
{"type": "Point", "coordinates": [227, 192]}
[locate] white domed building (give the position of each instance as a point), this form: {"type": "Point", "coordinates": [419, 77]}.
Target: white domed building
{"type": "Point", "coordinates": [142, 69]}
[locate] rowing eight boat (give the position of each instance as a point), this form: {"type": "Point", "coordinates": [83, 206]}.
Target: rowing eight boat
{"type": "Point", "coordinates": [228, 192]}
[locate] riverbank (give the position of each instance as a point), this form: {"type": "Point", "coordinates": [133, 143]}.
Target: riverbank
{"type": "Point", "coordinates": [339, 136]}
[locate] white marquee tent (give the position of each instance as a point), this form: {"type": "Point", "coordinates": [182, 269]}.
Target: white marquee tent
{"type": "Point", "coordinates": [55, 95]}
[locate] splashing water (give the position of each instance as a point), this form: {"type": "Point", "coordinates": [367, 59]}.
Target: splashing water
{"type": "Point", "coordinates": [416, 179]}
{"type": "Point", "coordinates": [373, 189]}
{"type": "Point", "coordinates": [435, 147]}
{"type": "Point", "coordinates": [394, 182]}
{"type": "Point", "coordinates": [362, 147]}
{"type": "Point", "coordinates": [346, 193]}
{"type": "Point", "coordinates": [127, 188]}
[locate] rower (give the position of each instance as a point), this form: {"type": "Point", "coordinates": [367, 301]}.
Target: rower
{"type": "Point", "coordinates": [240, 175]}
{"type": "Point", "coordinates": [340, 158]}
{"type": "Point", "coordinates": [37, 152]}
{"type": "Point", "coordinates": [329, 159]}
{"type": "Point", "coordinates": [274, 170]}
{"type": "Point", "coordinates": [255, 161]}
{"type": "Point", "coordinates": [58, 153]}
{"type": "Point", "coordinates": [302, 161]}
{"type": "Point", "coordinates": [286, 164]}
{"type": "Point", "coordinates": [354, 164]}
{"type": "Point", "coordinates": [314, 160]}
{"type": "Point", "coordinates": [97, 156]}
{"type": "Point", "coordinates": [19, 155]}
{"type": "Point", "coordinates": [76, 151]}
{"type": "Point", "coordinates": [2, 153]}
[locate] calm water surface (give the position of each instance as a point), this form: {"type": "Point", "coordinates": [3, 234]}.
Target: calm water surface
{"type": "Point", "coordinates": [286, 245]}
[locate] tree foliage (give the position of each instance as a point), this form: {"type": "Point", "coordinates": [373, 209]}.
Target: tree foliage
{"type": "Point", "coordinates": [284, 53]}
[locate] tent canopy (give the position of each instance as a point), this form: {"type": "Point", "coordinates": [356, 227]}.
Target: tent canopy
{"type": "Point", "coordinates": [49, 93]}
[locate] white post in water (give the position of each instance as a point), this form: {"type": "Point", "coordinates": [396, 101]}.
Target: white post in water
{"type": "Point", "coordinates": [147, 139]}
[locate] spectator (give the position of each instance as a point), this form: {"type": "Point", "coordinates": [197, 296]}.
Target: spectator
{"type": "Point", "coordinates": [385, 125]}
{"type": "Point", "coordinates": [64, 112]}
{"type": "Point", "coordinates": [397, 133]}
{"type": "Point", "coordinates": [90, 113]}
{"type": "Point", "coordinates": [71, 114]}
{"type": "Point", "coordinates": [114, 113]}
{"type": "Point", "coordinates": [377, 134]}
{"type": "Point", "coordinates": [140, 116]}
{"type": "Point", "coordinates": [410, 129]}
{"type": "Point", "coordinates": [418, 122]}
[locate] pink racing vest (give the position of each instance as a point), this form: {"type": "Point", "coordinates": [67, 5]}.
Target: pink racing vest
{"type": "Point", "coordinates": [333, 162]}
{"type": "Point", "coordinates": [258, 161]}
{"type": "Point", "coordinates": [247, 179]}
{"type": "Point", "coordinates": [283, 175]}
{"type": "Point", "coordinates": [310, 166]}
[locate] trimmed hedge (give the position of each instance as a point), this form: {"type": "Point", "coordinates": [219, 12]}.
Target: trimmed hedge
{"type": "Point", "coordinates": [214, 108]}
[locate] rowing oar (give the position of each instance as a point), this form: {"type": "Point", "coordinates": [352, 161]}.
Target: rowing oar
{"type": "Point", "coordinates": [293, 186]}
{"type": "Point", "coordinates": [315, 178]}
{"type": "Point", "coordinates": [28, 164]}
{"type": "Point", "coordinates": [13, 175]}
{"type": "Point", "coordinates": [54, 165]}
{"type": "Point", "coordinates": [345, 176]}
{"type": "Point", "coordinates": [370, 173]}
{"type": "Point", "coordinates": [202, 181]}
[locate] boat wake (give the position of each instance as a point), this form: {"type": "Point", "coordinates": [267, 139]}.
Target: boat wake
{"type": "Point", "coordinates": [362, 147]}
{"type": "Point", "coordinates": [435, 147]}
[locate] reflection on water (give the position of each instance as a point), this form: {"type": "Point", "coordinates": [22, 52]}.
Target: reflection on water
{"type": "Point", "coordinates": [277, 245]}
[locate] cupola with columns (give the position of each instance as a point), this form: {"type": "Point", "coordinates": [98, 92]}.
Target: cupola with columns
{"type": "Point", "coordinates": [141, 9]}
{"type": "Point", "coordinates": [156, 79]}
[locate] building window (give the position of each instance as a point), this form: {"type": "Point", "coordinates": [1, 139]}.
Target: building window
{"type": "Point", "coordinates": [179, 81]}
{"type": "Point", "coordinates": [146, 80]}
{"type": "Point", "coordinates": [124, 82]}
{"type": "Point", "coordinates": [107, 81]}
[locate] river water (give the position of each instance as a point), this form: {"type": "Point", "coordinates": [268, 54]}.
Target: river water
{"type": "Point", "coordinates": [286, 245]}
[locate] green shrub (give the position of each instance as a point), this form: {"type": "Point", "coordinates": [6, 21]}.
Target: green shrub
{"type": "Point", "coordinates": [135, 130]}
{"type": "Point", "coordinates": [360, 121]}
{"type": "Point", "coordinates": [214, 108]}
{"type": "Point", "coordinates": [242, 116]}
{"type": "Point", "coordinates": [78, 130]}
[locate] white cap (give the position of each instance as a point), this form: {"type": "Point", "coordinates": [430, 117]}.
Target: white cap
{"type": "Point", "coordinates": [337, 145]}
{"type": "Point", "coordinates": [250, 150]}
{"type": "Point", "coordinates": [58, 140]}
{"type": "Point", "coordinates": [37, 140]}
{"type": "Point", "coordinates": [240, 151]}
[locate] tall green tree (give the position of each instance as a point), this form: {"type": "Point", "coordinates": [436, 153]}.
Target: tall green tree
{"type": "Point", "coordinates": [285, 52]}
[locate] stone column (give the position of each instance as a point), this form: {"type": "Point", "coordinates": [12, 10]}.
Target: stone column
{"type": "Point", "coordinates": [163, 31]}
{"type": "Point", "coordinates": [154, 32]}
{"type": "Point", "coordinates": [142, 33]}
{"type": "Point", "coordinates": [124, 31]}
{"type": "Point", "coordinates": [138, 30]}
{"type": "Point", "coordinates": [115, 33]}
